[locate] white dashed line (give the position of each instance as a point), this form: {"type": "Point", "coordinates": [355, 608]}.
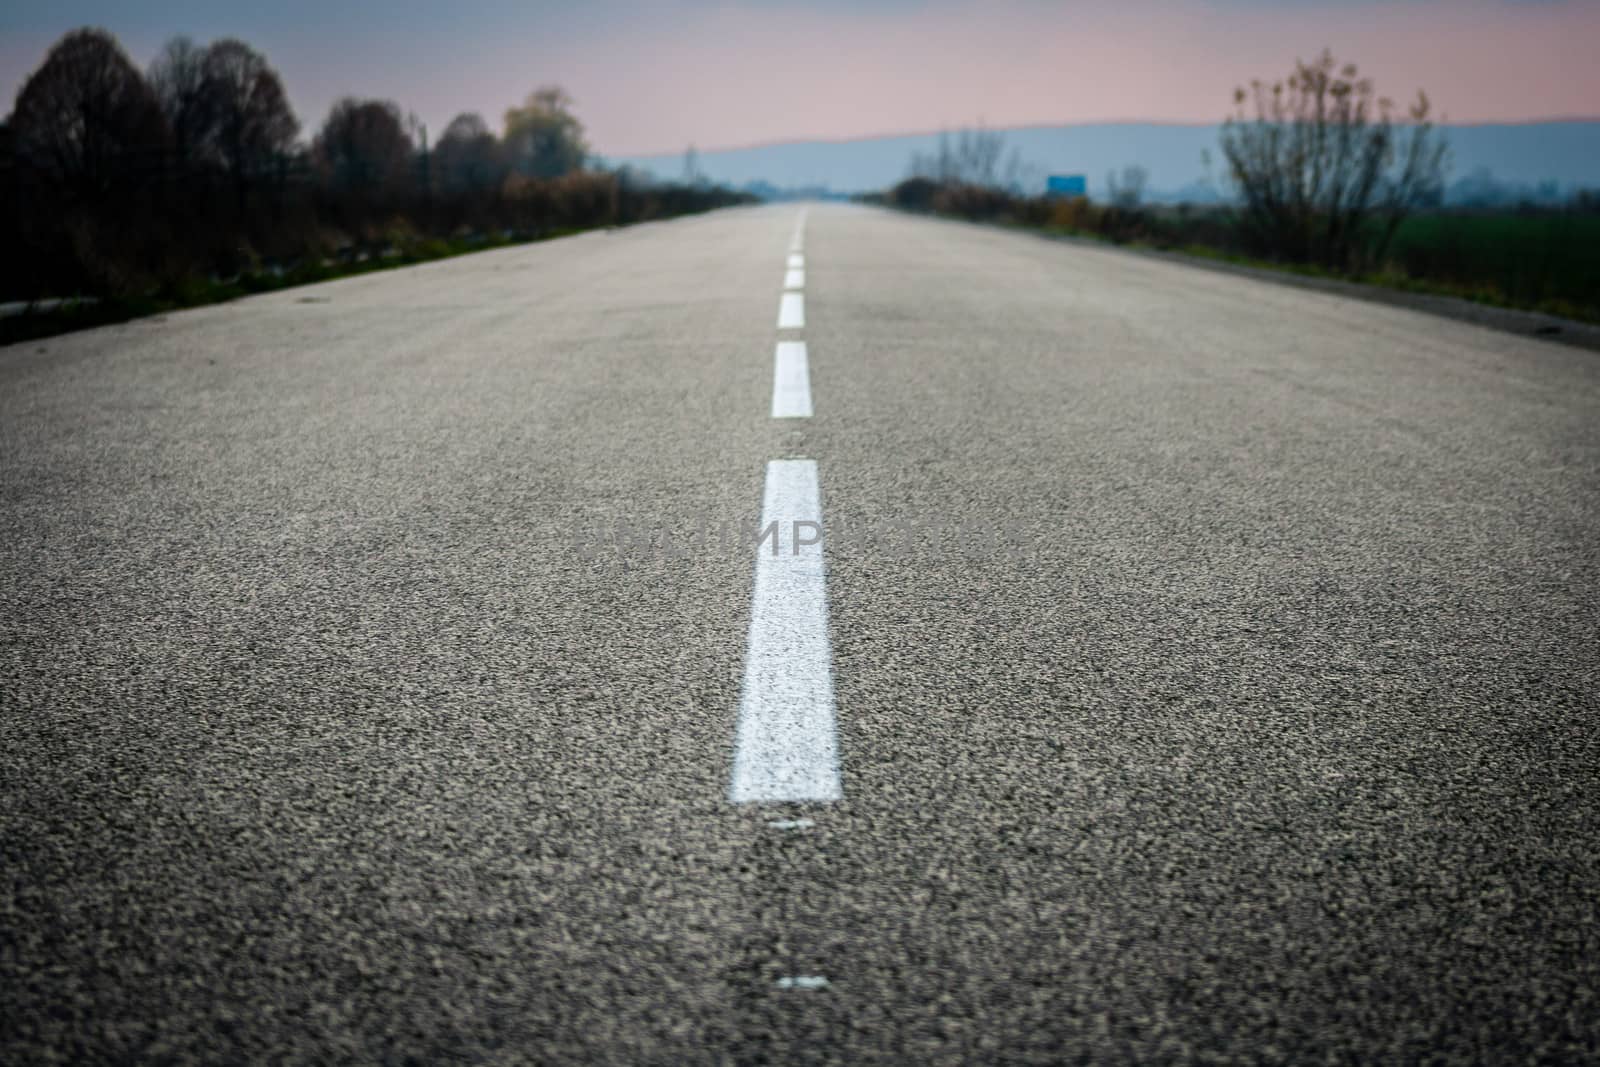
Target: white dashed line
{"type": "Point", "coordinates": [803, 981]}
{"type": "Point", "coordinates": [796, 261]}
{"type": "Point", "coordinates": [791, 382]}
{"type": "Point", "coordinates": [792, 312]}
{"type": "Point", "coordinates": [786, 748]}
{"type": "Point", "coordinates": [794, 279]}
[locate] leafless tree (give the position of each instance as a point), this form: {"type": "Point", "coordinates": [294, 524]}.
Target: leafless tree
{"type": "Point", "coordinates": [978, 155]}
{"type": "Point", "coordinates": [1022, 177]}
{"type": "Point", "coordinates": [363, 144]}
{"type": "Point", "coordinates": [249, 122]}
{"type": "Point", "coordinates": [634, 179]}
{"type": "Point", "coordinates": [543, 138]}
{"type": "Point", "coordinates": [225, 105]}
{"type": "Point", "coordinates": [1323, 167]}
{"type": "Point", "coordinates": [86, 120]}
{"type": "Point", "coordinates": [468, 156]}
{"type": "Point", "coordinates": [178, 80]}
{"type": "Point", "coordinates": [933, 166]}
{"type": "Point", "coordinates": [1127, 191]}
{"type": "Point", "coordinates": [973, 157]}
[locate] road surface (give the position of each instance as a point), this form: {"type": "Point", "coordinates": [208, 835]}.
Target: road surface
{"type": "Point", "coordinates": [1195, 668]}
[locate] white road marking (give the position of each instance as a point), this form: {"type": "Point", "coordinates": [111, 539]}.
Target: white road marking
{"type": "Point", "coordinates": [794, 279]}
{"type": "Point", "coordinates": [792, 312]}
{"type": "Point", "coordinates": [791, 824]}
{"type": "Point", "coordinates": [786, 747]}
{"type": "Point", "coordinates": [791, 382]}
{"type": "Point", "coordinates": [797, 242]}
{"type": "Point", "coordinates": [796, 261]}
{"type": "Point", "coordinates": [803, 981]}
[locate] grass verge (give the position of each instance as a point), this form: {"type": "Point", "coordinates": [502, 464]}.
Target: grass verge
{"type": "Point", "coordinates": [1483, 292]}
{"type": "Point", "coordinates": [85, 314]}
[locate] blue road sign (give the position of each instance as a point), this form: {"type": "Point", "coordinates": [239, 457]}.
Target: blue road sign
{"type": "Point", "coordinates": [1066, 185]}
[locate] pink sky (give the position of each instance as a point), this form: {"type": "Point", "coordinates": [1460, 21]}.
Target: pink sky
{"type": "Point", "coordinates": [657, 75]}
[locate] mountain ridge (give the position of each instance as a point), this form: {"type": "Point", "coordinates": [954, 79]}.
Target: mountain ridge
{"type": "Point", "coordinates": [666, 154]}
{"type": "Point", "coordinates": [1551, 158]}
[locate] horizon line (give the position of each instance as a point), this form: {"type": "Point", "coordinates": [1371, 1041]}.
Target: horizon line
{"type": "Point", "coordinates": [858, 138]}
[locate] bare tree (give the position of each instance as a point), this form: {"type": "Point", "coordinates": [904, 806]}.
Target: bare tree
{"type": "Point", "coordinates": [363, 144]}
{"type": "Point", "coordinates": [1127, 191]}
{"type": "Point", "coordinates": [1021, 176]}
{"type": "Point", "coordinates": [86, 120]}
{"type": "Point", "coordinates": [249, 123]}
{"type": "Point", "coordinates": [1324, 168]}
{"type": "Point", "coordinates": [972, 158]}
{"type": "Point", "coordinates": [935, 166]}
{"type": "Point", "coordinates": [468, 156]}
{"type": "Point", "coordinates": [225, 105]}
{"type": "Point", "coordinates": [178, 80]}
{"type": "Point", "coordinates": [634, 179]}
{"type": "Point", "coordinates": [543, 138]}
{"type": "Point", "coordinates": [978, 155]}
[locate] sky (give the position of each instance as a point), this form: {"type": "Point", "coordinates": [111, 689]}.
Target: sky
{"type": "Point", "coordinates": [654, 76]}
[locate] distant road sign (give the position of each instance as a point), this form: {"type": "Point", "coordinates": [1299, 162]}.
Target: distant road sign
{"type": "Point", "coordinates": [1066, 185]}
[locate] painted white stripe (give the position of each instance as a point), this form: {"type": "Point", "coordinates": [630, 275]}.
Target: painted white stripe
{"type": "Point", "coordinates": [791, 382]}
{"type": "Point", "coordinates": [787, 745]}
{"type": "Point", "coordinates": [796, 261]}
{"type": "Point", "coordinates": [792, 312]}
{"type": "Point", "coordinates": [794, 279]}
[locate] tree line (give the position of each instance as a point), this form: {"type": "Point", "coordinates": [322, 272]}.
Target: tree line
{"type": "Point", "coordinates": [118, 181]}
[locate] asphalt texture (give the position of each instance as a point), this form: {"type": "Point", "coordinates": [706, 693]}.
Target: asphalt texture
{"type": "Point", "coordinates": [1217, 667]}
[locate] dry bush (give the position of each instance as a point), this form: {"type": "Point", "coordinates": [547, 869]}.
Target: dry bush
{"type": "Point", "coordinates": [584, 198]}
{"type": "Point", "coordinates": [1321, 162]}
{"type": "Point", "coordinates": [974, 201]}
{"type": "Point", "coordinates": [914, 194]}
{"type": "Point", "coordinates": [1072, 213]}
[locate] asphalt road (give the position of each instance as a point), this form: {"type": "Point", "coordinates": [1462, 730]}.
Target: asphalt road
{"type": "Point", "coordinates": [1216, 667]}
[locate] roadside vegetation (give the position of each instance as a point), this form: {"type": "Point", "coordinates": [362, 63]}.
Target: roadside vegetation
{"type": "Point", "coordinates": [1324, 177]}
{"type": "Point", "coordinates": [127, 192]}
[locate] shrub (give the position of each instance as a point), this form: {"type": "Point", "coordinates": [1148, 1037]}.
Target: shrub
{"type": "Point", "coordinates": [1325, 171]}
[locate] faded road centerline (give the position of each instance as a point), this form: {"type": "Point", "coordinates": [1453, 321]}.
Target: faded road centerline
{"type": "Point", "coordinates": [792, 312]}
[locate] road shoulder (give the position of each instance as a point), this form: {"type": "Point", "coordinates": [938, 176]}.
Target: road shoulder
{"type": "Point", "coordinates": [1533, 324]}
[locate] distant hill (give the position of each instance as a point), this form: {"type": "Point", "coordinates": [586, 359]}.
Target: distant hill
{"type": "Point", "coordinates": [1517, 157]}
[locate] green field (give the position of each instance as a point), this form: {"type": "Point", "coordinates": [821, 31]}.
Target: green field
{"type": "Point", "coordinates": [1540, 260]}
{"type": "Point", "coordinates": [1547, 260]}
